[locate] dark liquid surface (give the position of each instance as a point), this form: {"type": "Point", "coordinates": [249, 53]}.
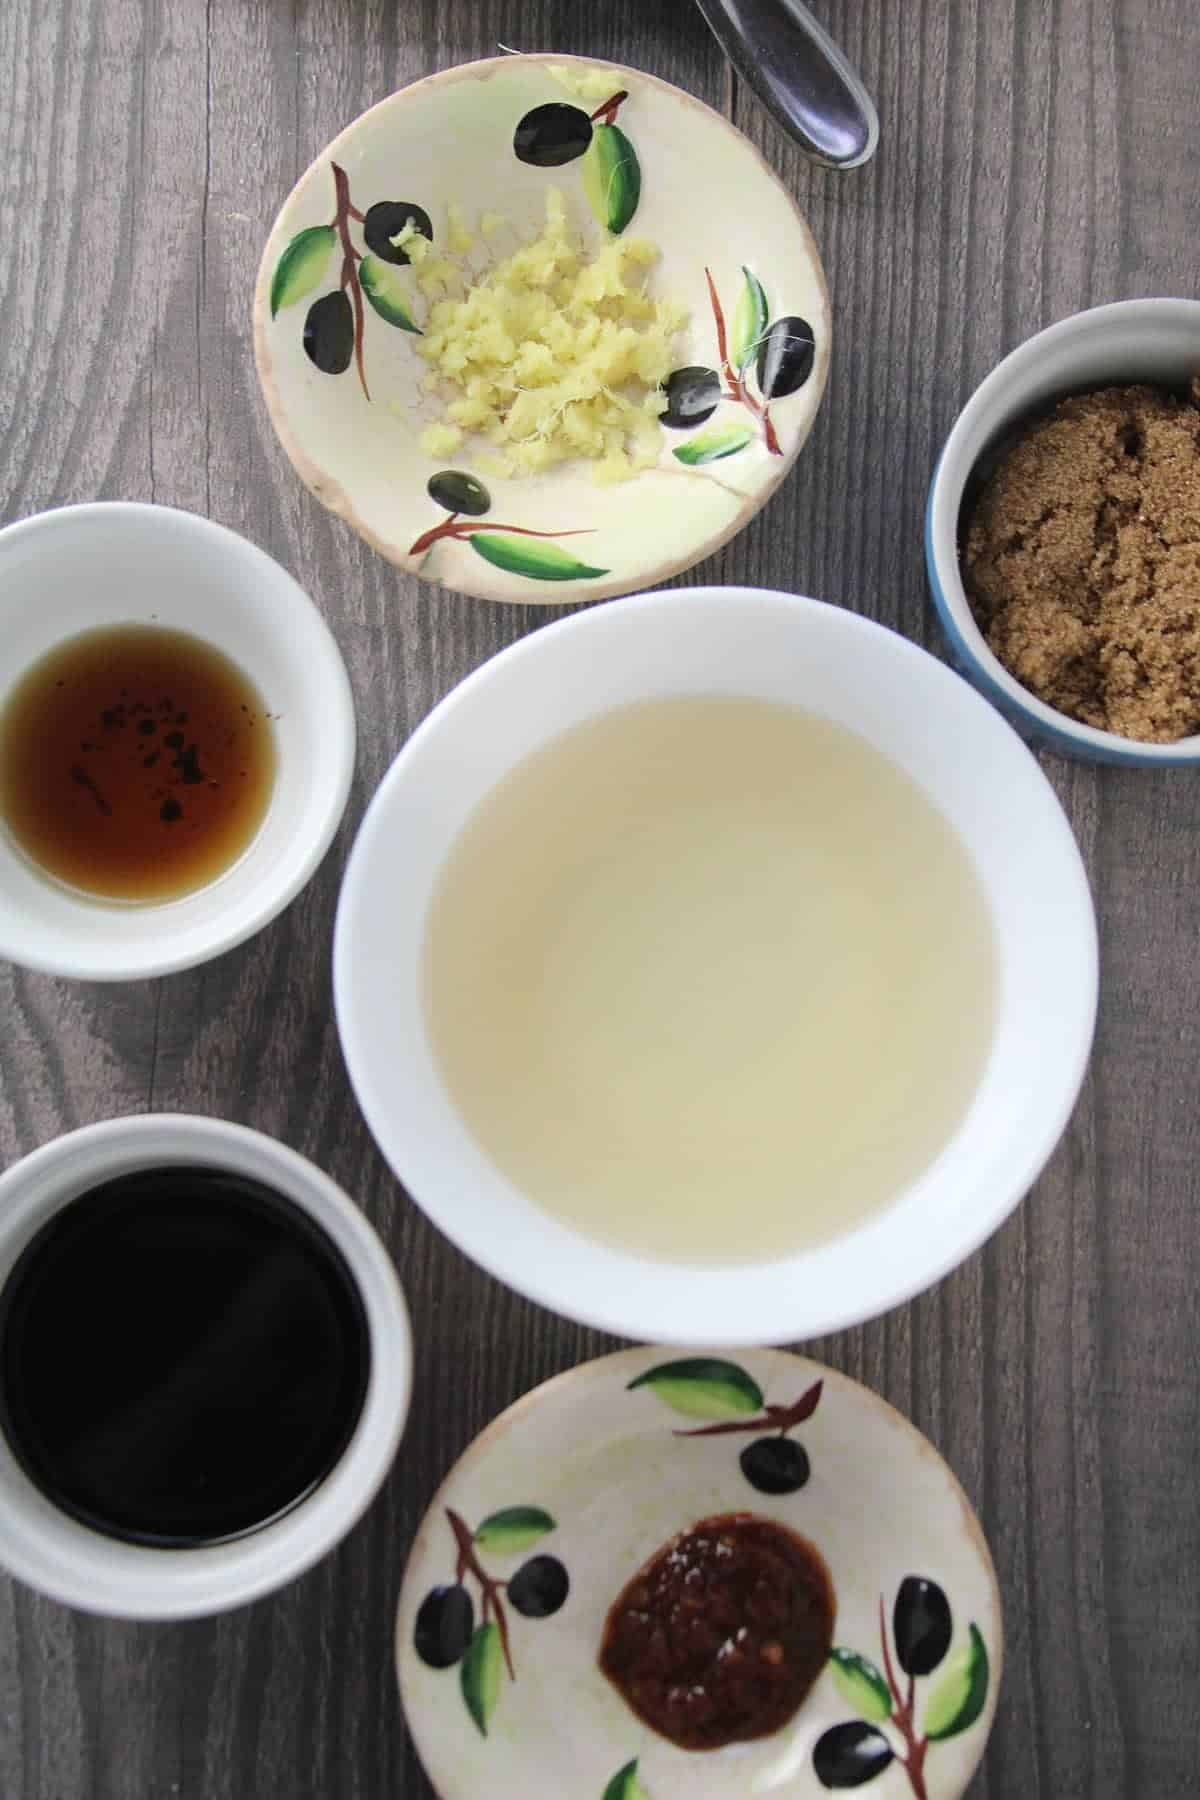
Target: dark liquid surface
{"type": "Point", "coordinates": [183, 1357]}
{"type": "Point", "coordinates": [136, 763]}
{"type": "Point", "coordinates": [720, 1636]}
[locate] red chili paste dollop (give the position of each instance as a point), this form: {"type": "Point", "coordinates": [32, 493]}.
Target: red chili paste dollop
{"type": "Point", "coordinates": [720, 1636]}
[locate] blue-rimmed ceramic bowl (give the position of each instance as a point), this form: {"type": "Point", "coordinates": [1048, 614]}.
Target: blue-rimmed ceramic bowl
{"type": "Point", "coordinates": [1155, 341]}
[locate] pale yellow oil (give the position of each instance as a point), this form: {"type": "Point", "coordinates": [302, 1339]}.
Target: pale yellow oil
{"type": "Point", "coordinates": [710, 979]}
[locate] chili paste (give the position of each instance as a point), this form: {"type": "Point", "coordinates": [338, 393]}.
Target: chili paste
{"type": "Point", "coordinates": [720, 1636]}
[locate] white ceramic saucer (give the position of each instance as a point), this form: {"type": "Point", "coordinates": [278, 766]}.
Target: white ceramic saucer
{"type": "Point", "coordinates": [339, 310]}
{"type": "Point", "coordinates": [592, 1470]}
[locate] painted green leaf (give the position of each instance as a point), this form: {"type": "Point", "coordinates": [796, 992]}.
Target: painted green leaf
{"type": "Point", "coordinates": [703, 1387]}
{"type": "Point", "coordinates": [479, 1675]}
{"type": "Point", "coordinates": [535, 557]}
{"type": "Point", "coordinates": [625, 1784]}
{"type": "Point", "coordinates": [381, 284]}
{"type": "Point", "coordinates": [711, 446]}
{"type": "Point", "coordinates": [612, 178]}
{"type": "Point", "coordinates": [302, 265]}
{"type": "Point", "coordinates": [749, 321]}
{"type": "Point", "coordinates": [961, 1693]}
{"type": "Point", "coordinates": [513, 1528]}
{"type": "Point", "coordinates": [860, 1684]}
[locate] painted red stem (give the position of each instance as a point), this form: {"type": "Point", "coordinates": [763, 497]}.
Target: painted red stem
{"type": "Point", "coordinates": [468, 1562]}
{"type": "Point", "coordinates": [736, 387]}
{"type": "Point", "coordinates": [772, 1418]}
{"type": "Point", "coordinates": [345, 212]}
{"type": "Point", "coordinates": [913, 1761]}
{"type": "Point", "coordinates": [454, 527]}
{"type": "Point", "coordinates": [607, 113]}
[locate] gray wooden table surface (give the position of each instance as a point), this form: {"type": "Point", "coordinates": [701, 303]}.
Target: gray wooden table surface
{"type": "Point", "coordinates": [1037, 156]}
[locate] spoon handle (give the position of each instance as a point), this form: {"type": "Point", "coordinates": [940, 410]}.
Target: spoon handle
{"type": "Point", "coordinates": [800, 75]}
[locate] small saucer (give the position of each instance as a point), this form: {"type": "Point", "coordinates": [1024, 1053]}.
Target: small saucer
{"type": "Point", "coordinates": [589, 1476]}
{"type": "Point", "coordinates": [340, 310]}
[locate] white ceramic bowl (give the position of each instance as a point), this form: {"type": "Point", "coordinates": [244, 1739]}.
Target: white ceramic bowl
{"type": "Point", "coordinates": [1155, 341]}
{"type": "Point", "coordinates": [70, 571]}
{"type": "Point", "coordinates": [80, 1567]}
{"type": "Point", "coordinates": [906, 704]}
{"type": "Point", "coordinates": [706, 199]}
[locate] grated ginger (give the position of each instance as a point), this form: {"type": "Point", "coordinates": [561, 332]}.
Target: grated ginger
{"type": "Point", "coordinates": [554, 353]}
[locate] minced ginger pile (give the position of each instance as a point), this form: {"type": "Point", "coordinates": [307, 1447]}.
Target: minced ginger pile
{"type": "Point", "coordinates": [553, 353]}
{"type": "Point", "coordinates": [1082, 561]}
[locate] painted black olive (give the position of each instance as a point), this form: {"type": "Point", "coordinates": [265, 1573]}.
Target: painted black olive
{"type": "Point", "coordinates": [329, 333]}
{"type": "Point", "coordinates": [445, 1623]}
{"type": "Point", "coordinates": [848, 1756]}
{"type": "Point", "coordinates": [785, 357]}
{"type": "Point", "coordinates": [539, 1587]}
{"type": "Point", "coordinates": [552, 135]}
{"type": "Point", "coordinates": [921, 1625]}
{"type": "Point", "coordinates": [775, 1465]}
{"type": "Point", "coordinates": [386, 220]}
{"type": "Point", "coordinates": [458, 493]}
{"type": "Point", "coordinates": [692, 396]}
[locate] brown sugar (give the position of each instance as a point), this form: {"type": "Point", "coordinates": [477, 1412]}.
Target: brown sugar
{"type": "Point", "coordinates": [1082, 561]}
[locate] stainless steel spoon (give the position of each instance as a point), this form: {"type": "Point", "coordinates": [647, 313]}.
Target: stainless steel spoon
{"type": "Point", "coordinates": [800, 75]}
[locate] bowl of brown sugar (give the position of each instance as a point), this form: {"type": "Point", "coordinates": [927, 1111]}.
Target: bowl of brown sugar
{"type": "Point", "coordinates": [1063, 535]}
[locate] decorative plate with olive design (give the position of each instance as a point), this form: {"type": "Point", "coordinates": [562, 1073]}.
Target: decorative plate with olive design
{"type": "Point", "coordinates": [420, 200]}
{"type": "Point", "coordinates": [670, 1572]}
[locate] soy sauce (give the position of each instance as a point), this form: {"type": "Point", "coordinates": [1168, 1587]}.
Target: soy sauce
{"type": "Point", "coordinates": [136, 763]}
{"type": "Point", "coordinates": [184, 1356]}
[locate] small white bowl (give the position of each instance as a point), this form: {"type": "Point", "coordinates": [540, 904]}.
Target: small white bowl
{"type": "Point", "coordinates": [1154, 341]}
{"type": "Point", "coordinates": [82, 1568]}
{"type": "Point", "coordinates": [932, 726]}
{"type": "Point", "coordinates": [112, 563]}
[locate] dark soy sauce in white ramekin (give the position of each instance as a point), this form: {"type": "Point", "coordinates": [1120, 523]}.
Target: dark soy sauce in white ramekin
{"type": "Point", "coordinates": [184, 1356]}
